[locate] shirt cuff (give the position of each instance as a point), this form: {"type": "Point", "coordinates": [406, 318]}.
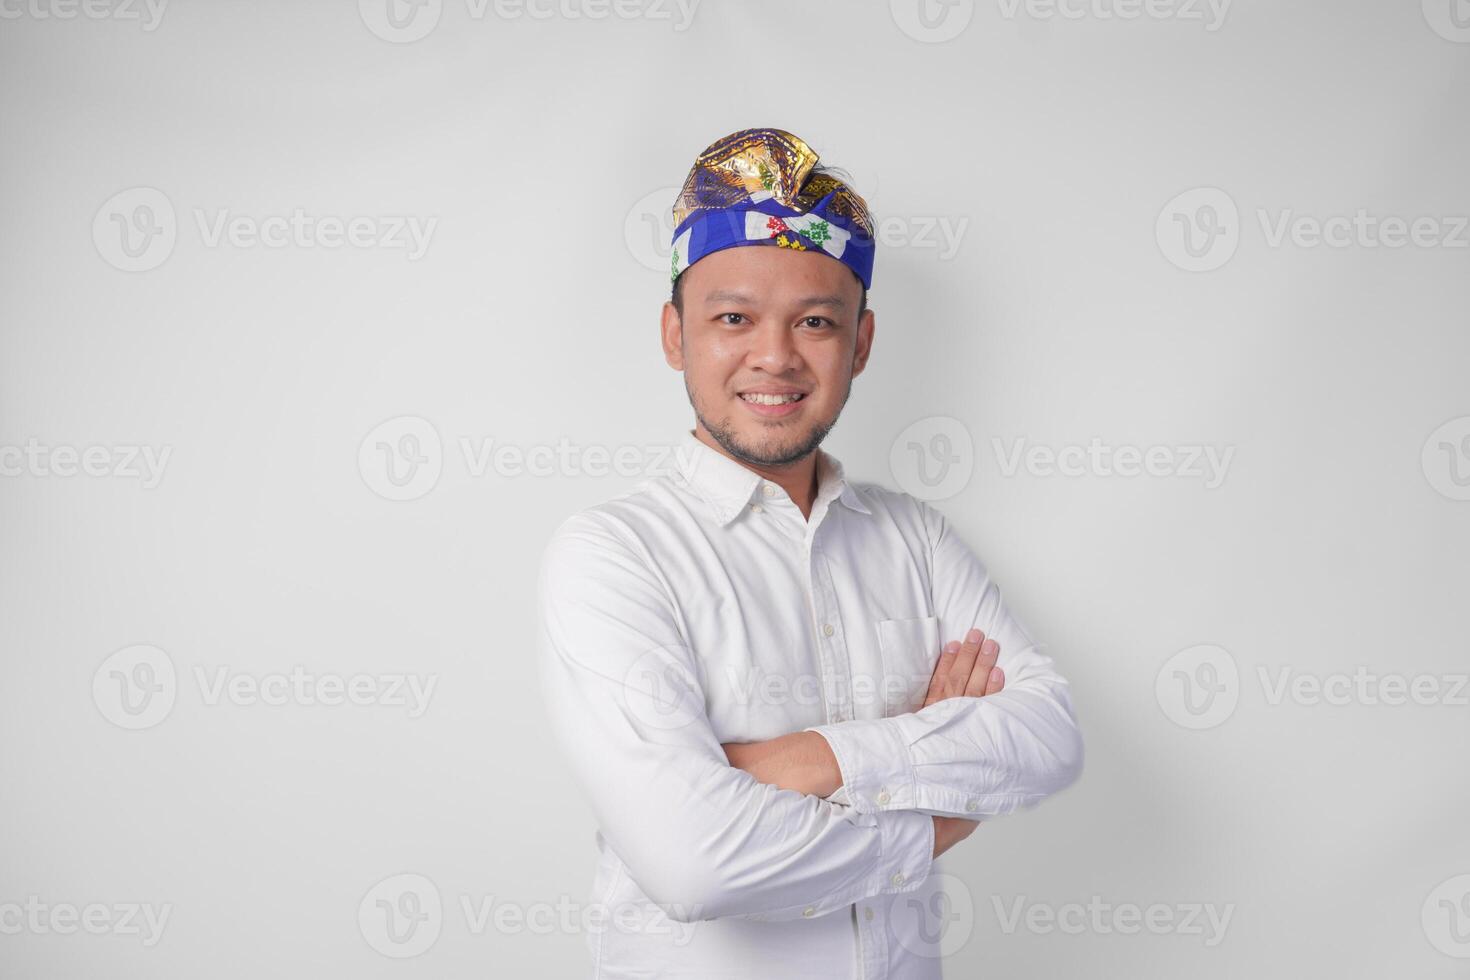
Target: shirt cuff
{"type": "Point", "coordinates": [905, 860]}
{"type": "Point", "coordinates": [908, 851]}
{"type": "Point", "coordinates": [873, 757]}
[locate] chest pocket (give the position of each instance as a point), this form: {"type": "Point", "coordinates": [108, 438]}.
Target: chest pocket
{"type": "Point", "coordinates": [910, 649]}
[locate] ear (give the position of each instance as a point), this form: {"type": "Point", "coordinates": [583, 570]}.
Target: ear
{"type": "Point", "coordinates": [671, 333]}
{"type": "Point", "coordinates": [866, 324]}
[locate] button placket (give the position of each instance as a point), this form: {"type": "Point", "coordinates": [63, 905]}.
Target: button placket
{"type": "Point", "coordinates": [832, 641]}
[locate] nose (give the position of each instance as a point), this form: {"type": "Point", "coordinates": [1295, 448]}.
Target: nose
{"type": "Point", "coordinates": [773, 348]}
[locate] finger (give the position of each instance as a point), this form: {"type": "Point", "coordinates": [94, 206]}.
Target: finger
{"type": "Point", "coordinates": [964, 662]}
{"type": "Point", "coordinates": [941, 671]}
{"type": "Point", "coordinates": [980, 673]}
{"type": "Point", "coordinates": [997, 681]}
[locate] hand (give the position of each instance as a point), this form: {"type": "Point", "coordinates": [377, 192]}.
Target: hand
{"type": "Point", "coordinates": [802, 761]}
{"type": "Point", "coordinates": [949, 831]}
{"type": "Point", "coordinates": [966, 669]}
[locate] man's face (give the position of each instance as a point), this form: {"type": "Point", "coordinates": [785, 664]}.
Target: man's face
{"type": "Point", "coordinates": [768, 320]}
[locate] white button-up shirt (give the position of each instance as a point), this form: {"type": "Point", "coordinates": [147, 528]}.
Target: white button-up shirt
{"type": "Point", "coordinates": [700, 607]}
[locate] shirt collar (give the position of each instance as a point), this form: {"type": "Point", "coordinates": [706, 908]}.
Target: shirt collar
{"type": "Point", "coordinates": [727, 486]}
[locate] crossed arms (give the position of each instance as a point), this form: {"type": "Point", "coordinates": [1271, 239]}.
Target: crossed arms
{"type": "Point", "coordinates": [708, 830]}
{"type": "Point", "coordinates": [805, 763]}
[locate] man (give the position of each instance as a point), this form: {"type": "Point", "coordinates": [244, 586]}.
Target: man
{"type": "Point", "coordinates": [742, 659]}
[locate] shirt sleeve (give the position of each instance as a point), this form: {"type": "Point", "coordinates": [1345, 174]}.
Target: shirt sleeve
{"type": "Point", "coordinates": [965, 756]}
{"type": "Point", "coordinates": [626, 702]}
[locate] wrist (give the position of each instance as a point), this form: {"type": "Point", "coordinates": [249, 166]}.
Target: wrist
{"type": "Point", "coordinates": [820, 772]}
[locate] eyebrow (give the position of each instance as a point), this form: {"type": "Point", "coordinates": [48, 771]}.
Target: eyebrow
{"type": "Point", "coordinates": [731, 296]}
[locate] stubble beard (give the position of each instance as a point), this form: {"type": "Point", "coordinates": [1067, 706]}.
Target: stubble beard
{"type": "Point", "coordinates": [725, 434]}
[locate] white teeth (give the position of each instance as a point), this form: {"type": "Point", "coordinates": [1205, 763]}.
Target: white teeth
{"type": "Point", "coordinates": [771, 399]}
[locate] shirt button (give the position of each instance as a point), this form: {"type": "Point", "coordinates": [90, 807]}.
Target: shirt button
{"type": "Point", "coordinates": [768, 490]}
{"type": "Point", "coordinates": [827, 629]}
{"type": "Point", "coordinates": [756, 508]}
{"type": "Point", "coordinates": [809, 911]}
{"type": "Point", "coordinates": [868, 914]}
{"type": "Point", "coordinates": [898, 877]}
{"type": "Point", "coordinates": [971, 806]}
{"type": "Point", "coordinates": [883, 796]}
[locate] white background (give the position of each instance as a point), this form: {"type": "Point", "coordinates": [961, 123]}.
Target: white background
{"type": "Point", "coordinates": [1052, 144]}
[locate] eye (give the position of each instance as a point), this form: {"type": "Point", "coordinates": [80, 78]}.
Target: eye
{"type": "Point", "coordinates": [732, 318]}
{"type": "Point", "coordinates": [817, 322]}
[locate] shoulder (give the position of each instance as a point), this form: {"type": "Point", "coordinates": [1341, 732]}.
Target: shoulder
{"type": "Point", "coordinates": [910, 513]}
{"type": "Point", "coordinates": [624, 528]}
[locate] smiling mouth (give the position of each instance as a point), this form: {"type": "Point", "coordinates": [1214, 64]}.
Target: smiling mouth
{"type": "Point", "coordinates": [756, 398]}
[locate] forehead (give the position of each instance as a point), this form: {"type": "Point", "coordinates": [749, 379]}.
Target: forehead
{"type": "Point", "coordinates": [770, 273]}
